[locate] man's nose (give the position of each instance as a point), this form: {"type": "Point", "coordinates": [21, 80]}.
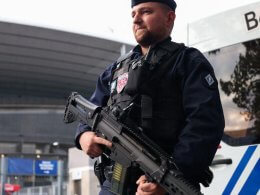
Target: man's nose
{"type": "Point", "coordinates": [137, 19]}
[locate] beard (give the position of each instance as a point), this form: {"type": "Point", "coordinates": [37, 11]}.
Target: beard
{"type": "Point", "coordinates": [145, 37]}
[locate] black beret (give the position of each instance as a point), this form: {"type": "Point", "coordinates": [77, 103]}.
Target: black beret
{"type": "Point", "coordinates": [171, 3]}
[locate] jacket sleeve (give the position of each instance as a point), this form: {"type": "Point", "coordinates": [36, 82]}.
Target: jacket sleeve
{"type": "Point", "coordinates": [99, 97]}
{"type": "Point", "coordinates": [204, 119]}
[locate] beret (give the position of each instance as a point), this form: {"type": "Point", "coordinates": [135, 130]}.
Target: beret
{"type": "Point", "coordinates": [171, 3]}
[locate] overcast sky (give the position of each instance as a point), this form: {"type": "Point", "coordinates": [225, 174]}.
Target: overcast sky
{"type": "Point", "coordinates": [105, 18]}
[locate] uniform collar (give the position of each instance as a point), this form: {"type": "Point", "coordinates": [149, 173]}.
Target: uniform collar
{"type": "Point", "coordinates": [138, 51]}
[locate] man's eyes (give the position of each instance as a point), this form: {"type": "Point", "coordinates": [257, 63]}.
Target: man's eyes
{"type": "Point", "coordinates": [146, 11]}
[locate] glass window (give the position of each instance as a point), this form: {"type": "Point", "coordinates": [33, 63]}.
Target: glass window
{"type": "Point", "coordinates": [237, 69]}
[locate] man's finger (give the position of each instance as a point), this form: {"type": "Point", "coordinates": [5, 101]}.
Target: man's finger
{"type": "Point", "coordinates": [141, 179]}
{"type": "Point", "coordinates": [141, 192]}
{"type": "Point", "coordinates": [94, 149]}
{"type": "Point", "coordinates": [102, 141]}
{"type": "Point", "coordinates": [148, 187]}
{"type": "Point", "coordinates": [97, 150]}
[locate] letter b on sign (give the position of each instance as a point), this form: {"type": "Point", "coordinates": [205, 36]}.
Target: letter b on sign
{"type": "Point", "coordinates": [251, 20]}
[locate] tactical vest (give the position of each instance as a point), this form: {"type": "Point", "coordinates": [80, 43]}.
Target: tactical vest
{"type": "Point", "coordinates": [144, 94]}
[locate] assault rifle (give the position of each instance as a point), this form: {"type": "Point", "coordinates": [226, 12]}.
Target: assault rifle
{"type": "Point", "coordinates": [130, 147]}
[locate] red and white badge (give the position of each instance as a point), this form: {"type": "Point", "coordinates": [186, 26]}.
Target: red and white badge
{"type": "Point", "coordinates": [121, 82]}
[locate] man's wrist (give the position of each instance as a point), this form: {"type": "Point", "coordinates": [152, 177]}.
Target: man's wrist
{"type": "Point", "coordinates": [77, 139]}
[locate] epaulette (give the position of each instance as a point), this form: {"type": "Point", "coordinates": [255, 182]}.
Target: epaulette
{"type": "Point", "coordinates": [124, 57]}
{"type": "Point", "coordinates": [172, 46]}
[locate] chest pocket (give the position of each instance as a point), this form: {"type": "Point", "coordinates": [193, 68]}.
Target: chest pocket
{"type": "Point", "coordinates": [138, 75]}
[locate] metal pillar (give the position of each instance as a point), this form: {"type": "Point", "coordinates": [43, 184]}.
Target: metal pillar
{"type": "Point", "coordinates": [3, 174]}
{"type": "Point", "coordinates": [40, 190]}
{"type": "Point", "coordinates": [60, 177]}
{"type": "Point", "coordinates": [123, 50]}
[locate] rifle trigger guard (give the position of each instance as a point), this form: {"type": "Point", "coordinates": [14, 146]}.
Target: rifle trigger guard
{"type": "Point", "coordinates": [95, 121]}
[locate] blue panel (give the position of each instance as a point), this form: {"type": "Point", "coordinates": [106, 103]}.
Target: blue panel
{"type": "Point", "coordinates": [252, 185]}
{"type": "Point", "coordinates": [19, 166]}
{"type": "Point", "coordinates": [46, 167]}
{"type": "Point", "coordinates": [240, 168]}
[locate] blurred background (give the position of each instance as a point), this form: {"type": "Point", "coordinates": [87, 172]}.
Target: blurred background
{"type": "Point", "coordinates": [51, 48]}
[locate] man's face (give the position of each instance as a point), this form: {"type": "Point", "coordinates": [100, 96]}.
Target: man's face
{"type": "Point", "coordinates": [150, 23]}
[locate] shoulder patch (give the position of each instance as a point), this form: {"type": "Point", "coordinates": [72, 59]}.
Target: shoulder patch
{"type": "Point", "coordinates": [209, 80]}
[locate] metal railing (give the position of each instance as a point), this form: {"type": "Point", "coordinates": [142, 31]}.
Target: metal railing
{"type": "Point", "coordinates": [41, 190]}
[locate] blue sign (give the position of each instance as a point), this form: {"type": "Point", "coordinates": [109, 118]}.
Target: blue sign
{"type": "Point", "coordinates": [46, 167]}
{"type": "Point", "coordinates": [19, 166]}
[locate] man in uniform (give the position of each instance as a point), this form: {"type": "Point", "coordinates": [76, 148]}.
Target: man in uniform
{"type": "Point", "coordinates": [167, 89]}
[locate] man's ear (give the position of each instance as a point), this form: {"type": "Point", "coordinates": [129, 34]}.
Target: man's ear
{"type": "Point", "coordinates": [171, 17]}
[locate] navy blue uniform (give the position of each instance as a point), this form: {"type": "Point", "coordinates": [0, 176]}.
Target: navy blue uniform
{"type": "Point", "coordinates": [197, 112]}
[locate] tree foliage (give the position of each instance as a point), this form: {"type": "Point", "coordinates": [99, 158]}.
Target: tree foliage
{"type": "Point", "coordinates": [244, 83]}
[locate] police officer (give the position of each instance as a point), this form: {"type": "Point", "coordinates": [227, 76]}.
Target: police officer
{"type": "Point", "coordinates": [168, 89]}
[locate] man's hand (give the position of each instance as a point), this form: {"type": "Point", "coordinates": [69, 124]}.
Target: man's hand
{"type": "Point", "coordinates": [148, 188]}
{"type": "Point", "coordinates": [91, 144]}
